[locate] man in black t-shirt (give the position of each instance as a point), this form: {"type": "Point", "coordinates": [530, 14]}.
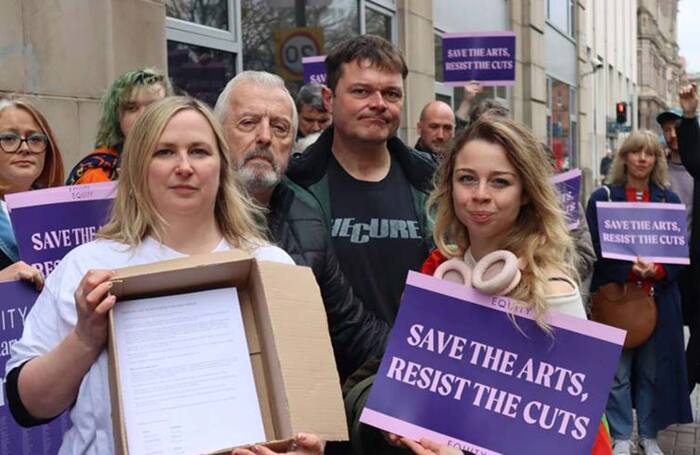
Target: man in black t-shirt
{"type": "Point", "coordinates": [370, 185]}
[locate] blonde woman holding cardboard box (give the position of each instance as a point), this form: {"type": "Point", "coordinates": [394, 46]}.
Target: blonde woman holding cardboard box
{"type": "Point", "coordinates": [177, 196]}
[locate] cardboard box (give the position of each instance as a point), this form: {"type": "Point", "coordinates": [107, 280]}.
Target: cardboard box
{"type": "Point", "coordinates": [286, 328]}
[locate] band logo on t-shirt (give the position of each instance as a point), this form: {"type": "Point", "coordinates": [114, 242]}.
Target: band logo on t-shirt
{"type": "Point", "coordinates": [377, 235]}
{"type": "Point", "coordinates": [377, 228]}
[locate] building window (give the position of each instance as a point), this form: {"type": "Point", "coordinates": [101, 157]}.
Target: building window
{"type": "Point", "coordinates": [379, 21]}
{"type": "Point", "coordinates": [203, 43]}
{"type": "Point", "coordinates": [561, 123]}
{"type": "Point", "coordinates": [199, 71]}
{"type": "Point", "coordinates": [277, 35]}
{"type": "Point", "coordinates": [561, 14]}
{"type": "Point", "coordinates": [439, 73]}
{"type": "Point", "coordinates": [212, 13]}
{"type": "Point", "coordinates": [209, 41]}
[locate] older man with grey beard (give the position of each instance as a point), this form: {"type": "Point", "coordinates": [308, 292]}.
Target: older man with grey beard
{"type": "Point", "coordinates": [260, 121]}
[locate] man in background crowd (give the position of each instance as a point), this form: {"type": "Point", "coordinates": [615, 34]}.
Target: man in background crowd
{"type": "Point", "coordinates": [605, 163]}
{"type": "Point", "coordinates": [313, 115]}
{"type": "Point", "coordinates": [436, 128]}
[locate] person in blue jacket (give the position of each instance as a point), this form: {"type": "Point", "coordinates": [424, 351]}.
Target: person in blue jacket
{"type": "Point", "coordinates": [651, 376]}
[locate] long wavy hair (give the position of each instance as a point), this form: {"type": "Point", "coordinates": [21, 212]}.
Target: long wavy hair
{"type": "Point", "coordinates": [539, 236]}
{"type": "Point", "coordinates": [109, 133]}
{"type": "Point", "coordinates": [134, 214]}
{"type": "Point", "coordinates": [52, 174]}
{"type": "Point", "coordinates": [640, 140]}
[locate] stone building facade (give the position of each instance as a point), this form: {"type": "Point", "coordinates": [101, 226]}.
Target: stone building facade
{"type": "Point", "coordinates": [659, 66]}
{"type": "Point", "coordinates": [65, 53]}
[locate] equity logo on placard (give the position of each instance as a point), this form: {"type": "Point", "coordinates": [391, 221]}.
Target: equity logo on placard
{"type": "Point", "coordinates": [79, 192]}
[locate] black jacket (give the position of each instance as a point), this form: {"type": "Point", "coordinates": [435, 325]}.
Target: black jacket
{"type": "Point", "coordinates": [5, 261]}
{"type": "Point", "coordinates": [310, 169]}
{"type": "Point", "coordinates": [689, 149]}
{"type": "Point", "coordinates": [300, 230]}
{"type": "Point", "coordinates": [425, 149]}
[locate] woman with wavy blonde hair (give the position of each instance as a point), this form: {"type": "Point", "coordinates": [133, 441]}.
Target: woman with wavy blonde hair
{"type": "Point", "coordinates": [652, 376]}
{"type": "Point", "coordinates": [492, 192]}
{"type": "Point", "coordinates": [640, 140]}
{"type": "Point", "coordinates": [177, 196]}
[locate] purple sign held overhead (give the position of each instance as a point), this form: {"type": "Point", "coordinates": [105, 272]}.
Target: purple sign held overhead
{"type": "Point", "coordinates": [18, 298]}
{"type": "Point", "coordinates": [314, 69]}
{"type": "Point", "coordinates": [654, 231]}
{"type": "Point", "coordinates": [467, 375]}
{"type": "Point", "coordinates": [568, 184]}
{"type": "Point", "coordinates": [49, 223]}
{"type": "Point", "coordinates": [485, 57]}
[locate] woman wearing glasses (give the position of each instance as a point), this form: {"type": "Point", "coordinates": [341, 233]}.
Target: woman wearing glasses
{"type": "Point", "coordinates": [29, 159]}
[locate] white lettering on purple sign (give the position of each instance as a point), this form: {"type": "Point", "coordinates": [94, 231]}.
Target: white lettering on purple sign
{"type": "Point", "coordinates": [478, 52]}
{"type": "Point", "coordinates": [317, 78]}
{"type": "Point", "coordinates": [62, 238]}
{"type": "Point", "coordinates": [488, 397]}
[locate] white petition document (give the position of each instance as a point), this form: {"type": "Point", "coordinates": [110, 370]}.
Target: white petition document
{"type": "Point", "coordinates": [187, 382]}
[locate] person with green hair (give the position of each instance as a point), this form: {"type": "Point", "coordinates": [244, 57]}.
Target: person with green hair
{"type": "Point", "coordinates": [122, 104]}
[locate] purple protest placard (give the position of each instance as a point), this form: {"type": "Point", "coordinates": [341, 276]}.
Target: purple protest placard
{"type": "Point", "coordinates": [568, 184]}
{"type": "Point", "coordinates": [654, 231]}
{"type": "Point", "coordinates": [17, 299]}
{"type": "Point", "coordinates": [466, 375]}
{"type": "Point", "coordinates": [314, 69]}
{"type": "Point", "coordinates": [49, 223]}
{"type": "Point", "coordinates": [485, 57]}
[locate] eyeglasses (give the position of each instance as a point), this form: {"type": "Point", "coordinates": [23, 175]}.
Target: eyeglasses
{"type": "Point", "coordinates": [11, 142]}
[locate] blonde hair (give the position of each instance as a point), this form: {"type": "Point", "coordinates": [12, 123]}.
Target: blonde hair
{"type": "Point", "coordinates": [52, 173]}
{"type": "Point", "coordinates": [539, 236]}
{"type": "Point", "coordinates": [134, 214]}
{"type": "Point", "coordinates": [637, 141]}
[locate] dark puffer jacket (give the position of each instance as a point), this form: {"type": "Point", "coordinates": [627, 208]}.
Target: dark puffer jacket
{"type": "Point", "coordinates": [300, 230]}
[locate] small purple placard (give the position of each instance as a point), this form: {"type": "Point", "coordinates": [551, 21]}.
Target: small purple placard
{"type": "Point", "coordinates": [49, 223]}
{"type": "Point", "coordinates": [314, 69]}
{"type": "Point", "coordinates": [466, 375]}
{"type": "Point", "coordinates": [17, 299]}
{"type": "Point", "coordinates": [485, 57]}
{"type": "Point", "coordinates": [568, 184]}
{"type": "Point", "coordinates": [653, 231]}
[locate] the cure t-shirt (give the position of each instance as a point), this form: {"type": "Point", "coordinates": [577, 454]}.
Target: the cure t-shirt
{"type": "Point", "coordinates": [376, 235]}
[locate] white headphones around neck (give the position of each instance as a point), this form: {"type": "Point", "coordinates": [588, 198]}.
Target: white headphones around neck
{"type": "Point", "coordinates": [497, 273]}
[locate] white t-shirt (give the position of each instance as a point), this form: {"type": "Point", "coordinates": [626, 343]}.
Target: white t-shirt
{"type": "Point", "coordinates": [54, 316]}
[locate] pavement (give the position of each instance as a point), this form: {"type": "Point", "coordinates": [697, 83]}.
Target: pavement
{"type": "Point", "coordinates": [683, 439]}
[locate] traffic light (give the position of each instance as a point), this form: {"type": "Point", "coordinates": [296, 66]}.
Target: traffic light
{"type": "Point", "coordinates": [621, 110]}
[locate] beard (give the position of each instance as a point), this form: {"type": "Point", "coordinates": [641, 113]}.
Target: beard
{"type": "Point", "coordinates": [439, 146]}
{"type": "Point", "coordinates": [257, 177]}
